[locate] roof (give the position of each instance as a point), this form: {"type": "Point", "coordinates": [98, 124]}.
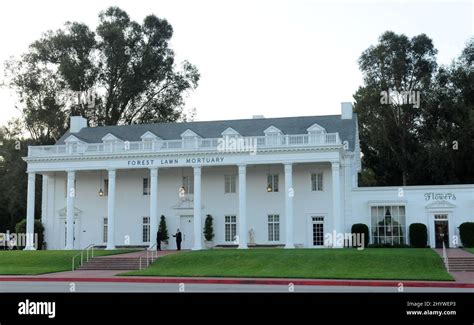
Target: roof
{"type": "Point", "coordinates": [213, 129]}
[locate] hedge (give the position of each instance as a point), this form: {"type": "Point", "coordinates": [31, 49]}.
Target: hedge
{"type": "Point", "coordinates": [418, 235]}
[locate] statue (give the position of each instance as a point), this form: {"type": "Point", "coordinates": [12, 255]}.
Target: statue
{"type": "Point", "coordinates": [251, 236]}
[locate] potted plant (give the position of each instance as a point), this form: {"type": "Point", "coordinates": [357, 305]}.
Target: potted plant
{"type": "Point", "coordinates": [164, 232]}
{"type": "Point", "coordinates": [208, 231]}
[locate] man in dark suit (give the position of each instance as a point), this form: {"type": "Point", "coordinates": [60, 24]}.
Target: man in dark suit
{"type": "Point", "coordinates": [178, 239]}
{"type": "Point", "coordinates": [158, 241]}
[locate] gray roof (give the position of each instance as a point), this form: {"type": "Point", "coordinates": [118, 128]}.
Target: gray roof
{"type": "Point", "coordinates": [213, 129]}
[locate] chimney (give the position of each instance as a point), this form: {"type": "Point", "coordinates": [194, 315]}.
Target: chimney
{"type": "Point", "coordinates": [77, 123]}
{"type": "Point", "coordinates": [346, 111]}
{"type": "Point", "coordinates": [257, 117]}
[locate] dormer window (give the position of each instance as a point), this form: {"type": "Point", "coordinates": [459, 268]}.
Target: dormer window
{"type": "Point", "coordinates": [316, 133]}
{"type": "Point", "coordinates": [273, 135]}
{"type": "Point", "coordinates": [73, 144]}
{"type": "Point", "coordinates": [190, 139]}
{"type": "Point", "coordinates": [110, 142]}
{"type": "Point", "coordinates": [230, 133]}
{"type": "Point", "coordinates": [149, 140]}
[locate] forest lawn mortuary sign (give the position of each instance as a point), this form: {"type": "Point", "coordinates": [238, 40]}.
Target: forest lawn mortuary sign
{"type": "Point", "coordinates": [175, 161]}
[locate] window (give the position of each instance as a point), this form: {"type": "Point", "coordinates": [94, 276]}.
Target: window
{"type": "Point", "coordinates": [146, 230]}
{"type": "Point", "coordinates": [146, 186]}
{"type": "Point", "coordinates": [105, 229]}
{"type": "Point", "coordinates": [106, 187]}
{"type": "Point", "coordinates": [273, 227]}
{"type": "Point", "coordinates": [318, 231]}
{"type": "Point", "coordinates": [272, 183]}
{"type": "Point", "coordinates": [230, 228]}
{"type": "Point", "coordinates": [388, 224]}
{"type": "Point", "coordinates": [188, 184]}
{"type": "Point", "coordinates": [229, 184]}
{"type": "Point", "coordinates": [317, 182]}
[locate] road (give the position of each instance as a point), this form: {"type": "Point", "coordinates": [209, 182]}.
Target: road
{"type": "Point", "coordinates": [27, 286]}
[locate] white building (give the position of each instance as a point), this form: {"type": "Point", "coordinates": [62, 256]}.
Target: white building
{"type": "Point", "coordinates": [265, 181]}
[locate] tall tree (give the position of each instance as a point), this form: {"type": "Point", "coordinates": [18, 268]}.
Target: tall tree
{"type": "Point", "coordinates": [122, 73]}
{"type": "Point", "coordinates": [389, 118]}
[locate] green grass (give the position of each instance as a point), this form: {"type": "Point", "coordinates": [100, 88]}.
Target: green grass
{"type": "Point", "coordinates": [18, 262]}
{"type": "Point", "coordinates": [371, 263]}
{"type": "Point", "coordinates": [469, 249]}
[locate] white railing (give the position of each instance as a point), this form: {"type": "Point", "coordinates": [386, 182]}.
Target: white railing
{"type": "Point", "coordinates": [151, 256]}
{"type": "Point", "coordinates": [227, 144]}
{"type": "Point", "coordinates": [81, 253]}
{"type": "Point", "coordinates": [445, 257]}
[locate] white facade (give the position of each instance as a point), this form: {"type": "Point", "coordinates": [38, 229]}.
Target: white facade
{"type": "Point", "coordinates": [109, 203]}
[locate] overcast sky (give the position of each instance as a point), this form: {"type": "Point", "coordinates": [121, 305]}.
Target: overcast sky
{"type": "Point", "coordinates": [274, 58]}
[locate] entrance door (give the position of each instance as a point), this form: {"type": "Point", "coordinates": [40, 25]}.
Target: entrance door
{"type": "Point", "coordinates": [441, 231]}
{"type": "Point", "coordinates": [187, 231]}
{"type": "Point", "coordinates": [317, 224]}
{"type": "Point", "coordinates": [75, 231]}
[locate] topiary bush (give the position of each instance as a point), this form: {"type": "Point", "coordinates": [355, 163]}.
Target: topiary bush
{"type": "Point", "coordinates": [418, 235]}
{"type": "Point", "coordinates": [208, 228]}
{"type": "Point", "coordinates": [20, 228]}
{"type": "Point", "coordinates": [360, 228]}
{"type": "Point", "coordinates": [466, 231]}
{"type": "Point", "coordinates": [163, 229]}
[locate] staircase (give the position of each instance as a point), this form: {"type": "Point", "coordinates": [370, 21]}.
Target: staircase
{"type": "Point", "coordinates": [116, 263]}
{"type": "Point", "coordinates": [461, 264]}
{"type": "Point", "coordinates": [128, 261]}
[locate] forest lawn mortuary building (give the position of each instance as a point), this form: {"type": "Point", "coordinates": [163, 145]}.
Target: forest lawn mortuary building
{"type": "Point", "coordinates": [265, 182]}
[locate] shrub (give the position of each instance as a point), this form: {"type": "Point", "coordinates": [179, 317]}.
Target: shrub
{"type": "Point", "coordinates": [389, 246]}
{"type": "Point", "coordinates": [466, 231]}
{"type": "Point", "coordinates": [208, 228]}
{"type": "Point", "coordinates": [418, 235]}
{"type": "Point", "coordinates": [20, 228]}
{"type": "Point", "coordinates": [360, 228]}
{"type": "Point", "coordinates": [163, 229]}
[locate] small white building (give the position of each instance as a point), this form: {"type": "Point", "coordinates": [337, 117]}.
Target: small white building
{"type": "Point", "coordinates": [265, 181]}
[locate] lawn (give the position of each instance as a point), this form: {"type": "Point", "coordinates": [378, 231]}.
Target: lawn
{"type": "Point", "coordinates": [38, 262]}
{"type": "Point", "coordinates": [371, 263]}
{"type": "Point", "coordinates": [469, 249]}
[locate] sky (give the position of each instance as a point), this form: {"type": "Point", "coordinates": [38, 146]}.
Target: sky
{"type": "Point", "coordinates": [256, 57]}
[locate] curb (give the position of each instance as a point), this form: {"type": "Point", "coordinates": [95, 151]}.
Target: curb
{"type": "Point", "coordinates": [301, 282]}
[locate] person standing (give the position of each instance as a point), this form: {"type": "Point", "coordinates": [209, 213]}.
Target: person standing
{"type": "Point", "coordinates": [158, 241]}
{"type": "Point", "coordinates": [178, 239]}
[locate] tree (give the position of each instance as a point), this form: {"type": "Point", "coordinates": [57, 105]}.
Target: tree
{"type": "Point", "coordinates": [20, 228]}
{"type": "Point", "coordinates": [208, 228]}
{"type": "Point", "coordinates": [13, 179]}
{"type": "Point", "coordinates": [163, 229]}
{"type": "Point", "coordinates": [122, 73]}
{"type": "Point", "coordinates": [416, 120]}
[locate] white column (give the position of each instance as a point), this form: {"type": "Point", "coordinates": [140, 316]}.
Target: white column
{"type": "Point", "coordinates": [242, 207]}
{"type": "Point", "coordinates": [197, 209]}
{"type": "Point", "coordinates": [153, 205]}
{"type": "Point", "coordinates": [30, 213]}
{"type": "Point", "coordinates": [111, 211]}
{"type": "Point", "coordinates": [70, 195]}
{"type": "Point", "coordinates": [289, 193]}
{"type": "Point", "coordinates": [336, 202]}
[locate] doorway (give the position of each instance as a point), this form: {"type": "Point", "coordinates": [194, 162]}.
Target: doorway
{"type": "Point", "coordinates": [186, 225]}
{"type": "Point", "coordinates": [441, 226]}
{"type": "Point", "coordinates": [75, 231]}
{"type": "Point", "coordinates": [317, 224]}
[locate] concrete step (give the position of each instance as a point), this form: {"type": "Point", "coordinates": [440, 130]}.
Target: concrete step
{"type": "Point", "coordinates": [114, 263]}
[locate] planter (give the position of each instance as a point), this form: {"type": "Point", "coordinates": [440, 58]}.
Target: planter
{"type": "Point", "coordinates": [164, 245]}
{"type": "Point", "coordinates": [208, 243]}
